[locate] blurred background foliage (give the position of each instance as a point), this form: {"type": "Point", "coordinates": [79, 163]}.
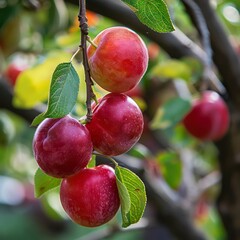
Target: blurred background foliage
{"type": "Point", "coordinates": [36, 36]}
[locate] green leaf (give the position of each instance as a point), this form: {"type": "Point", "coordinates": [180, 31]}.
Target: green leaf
{"type": "Point", "coordinates": [171, 113]}
{"type": "Point", "coordinates": [7, 13]}
{"type": "Point", "coordinates": [171, 168]}
{"type": "Point", "coordinates": [132, 195]}
{"type": "Point", "coordinates": [139, 151]}
{"type": "Point", "coordinates": [38, 119]}
{"type": "Point", "coordinates": [44, 183]}
{"type": "Point", "coordinates": [7, 129]}
{"type": "Point", "coordinates": [196, 67]}
{"type": "Point", "coordinates": [36, 80]}
{"type": "Point", "coordinates": [92, 162]}
{"type": "Point", "coordinates": [153, 13]}
{"type": "Point", "coordinates": [63, 91]}
{"type": "Point", "coordinates": [179, 137]}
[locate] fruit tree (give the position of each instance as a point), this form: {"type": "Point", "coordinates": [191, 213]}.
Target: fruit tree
{"type": "Point", "coordinates": [119, 119]}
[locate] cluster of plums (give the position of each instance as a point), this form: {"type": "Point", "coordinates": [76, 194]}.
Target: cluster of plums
{"type": "Point", "coordinates": [63, 147]}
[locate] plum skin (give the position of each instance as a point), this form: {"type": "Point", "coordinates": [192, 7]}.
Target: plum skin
{"type": "Point", "coordinates": [91, 197]}
{"type": "Point", "coordinates": [62, 147]}
{"type": "Point", "coordinates": [120, 60]}
{"type": "Point", "coordinates": [116, 125]}
{"type": "Point", "coordinates": [209, 117]}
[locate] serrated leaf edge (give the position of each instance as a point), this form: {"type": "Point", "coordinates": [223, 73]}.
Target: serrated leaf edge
{"type": "Point", "coordinates": [36, 192]}
{"type": "Point", "coordinates": [126, 224]}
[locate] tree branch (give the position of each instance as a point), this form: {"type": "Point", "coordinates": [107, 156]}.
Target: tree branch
{"type": "Point", "coordinates": [176, 44]}
{"type": "Point", "coordinates": [228, 63]}
{"type": "Point", "coordinates": [6, 103]}
{"type": "Point", "coordinates": [176, 216]}
{"type": "Point", "coordinates": [224, 56]}
{"type": "Point", "coordinates": [171, 209]}
{"type": "Point", "coordinates": [84, 36]}
{"type": "Point", "coordinates": [168, 209]}
{"type": "Point", "coordinates": [201, 25]}
{"type": "Point", "coordinates": [172, 43]}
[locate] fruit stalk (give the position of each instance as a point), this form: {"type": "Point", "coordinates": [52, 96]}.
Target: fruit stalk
{"type": "Point", "coordinates": [84, 36]}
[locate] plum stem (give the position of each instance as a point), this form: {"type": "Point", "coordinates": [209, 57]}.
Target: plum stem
{"type": "Point", "coordinates": [74, 55]}
{"type": "Point", "coordinates": [91, 42]}
{"type": "Point", "coordinates": [84, 38]}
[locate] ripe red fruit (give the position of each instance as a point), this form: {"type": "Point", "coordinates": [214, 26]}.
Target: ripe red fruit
{"type": "Point", "coordinates": [208, 118]}
{"type": "Point", "coordinates": [62, 146]}
{"type": "Point", "coordinates": [117, 124]}
{"type": "Point", "coordinates": [119, 61]}
{"type": "Point", "coordinates": [91, 196]}
{"type": "Point", "coordinates": [13, 71]}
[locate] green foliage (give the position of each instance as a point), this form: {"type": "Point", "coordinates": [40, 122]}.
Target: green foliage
{"type": "Point", "coordinates": [92, 162]}
{"type": "Point", "coordinates": [68, 40]}
{"type": "Point", "coordinates": [6, 13]}
{"type": "Point", "coordinates": [59, 17]}
{"type": "Point", "coordinates": [179, 137]}
{"type": "Point", "coordinates": [132, 195]}
{"type": "Point", "coordinates": [170, 113]}
{"type": "Point", "coordinates": [33, 86]}
{"type": "Point", "coordinates": [43, 183]}
{"type": "Point", "coordinates": [171, 168]}
{"type": "Point", "coordinates": [153, 13]}
{"type": "Point", "coordinates": [7, 129]}
{"type": "Point", "coordinates": [211, 224]}
{"type": "Point", "coordinates": [229, 18]}
{"type": "Point", "coordinates": [196, 68]}
{"type": "Point", "coordinates": [139, 151]}
{"type": "Point", "coordinates": [50, 201]}
{"type": "Point", "coordinates": [172, 69]}
{"type": "Point", "coordinates": [63, 93]}
{"type": "Point", "coordinates": [36, 80]}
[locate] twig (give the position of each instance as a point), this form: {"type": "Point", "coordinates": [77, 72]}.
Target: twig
{"type": "Point", "coordinates": [84, 38]}
{"type": "Point", "coordinates": [173, 216]}
{"type": "Point", "coordinates": [171, 209]}
{"type": "Point", "coordinates": [6, 98]}
{"type": "Point", "coordinates": [224, 55]}
{"type": "Point", "coordinates": [200, 23]}
{"type": "Point", "coordinates": [118, 11]}
{"type": "Point", "coordinates": [172, 212]}
{"type": "Point", "coordinates": [208, 182]}
{"type": "Point", "coordinates": [176, 44]}
{"type": "Point", "coordinates": [74, 55]}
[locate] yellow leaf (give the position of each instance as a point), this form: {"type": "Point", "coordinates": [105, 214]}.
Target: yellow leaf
{"type": "Point", "coordinates": [32, 86]}
{"type": "Point", "coordinates": [172, 69]}
{"type": "Point", "coordinates": [141, 103]}
{"type": "Point", "coordinates": [156, 122]}
{"type": "Point", "coordinates": [69, 40]}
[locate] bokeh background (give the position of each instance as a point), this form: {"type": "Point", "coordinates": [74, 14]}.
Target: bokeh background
{"type": "Point", "coordinates": [191, 185]}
